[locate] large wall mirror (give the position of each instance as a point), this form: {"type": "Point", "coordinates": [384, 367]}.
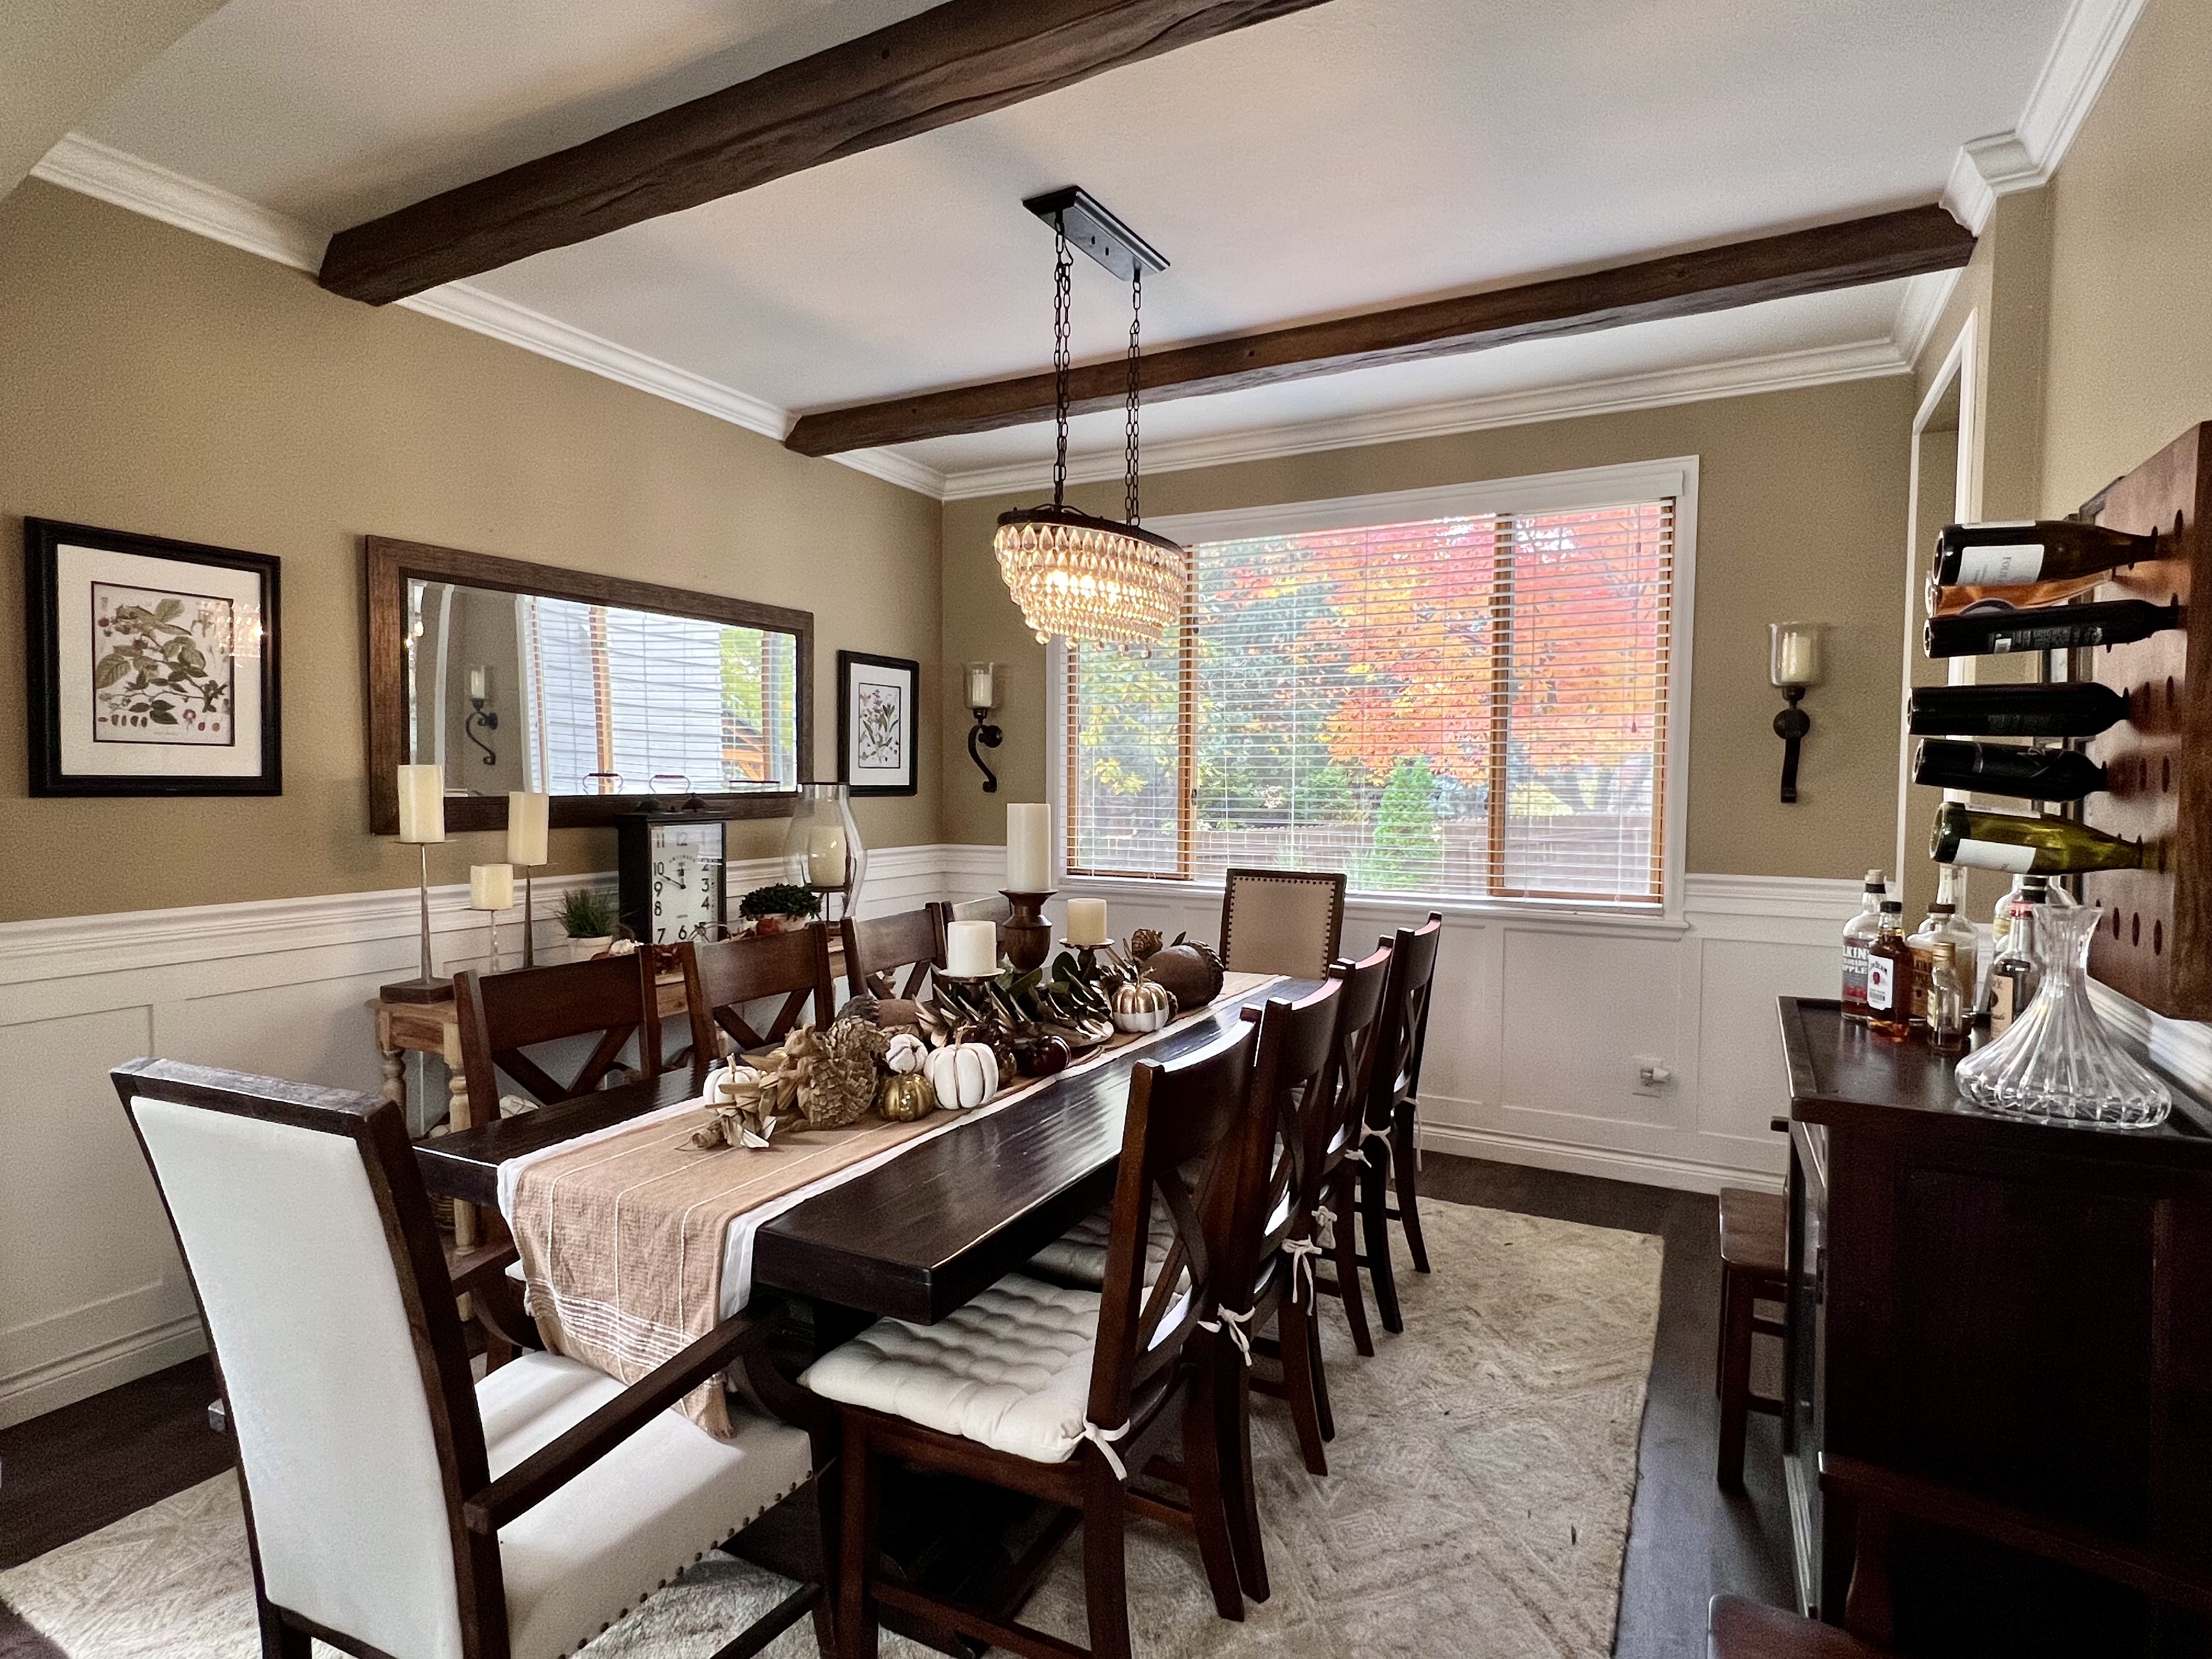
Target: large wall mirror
{"type": "Point", "coordinates": [600, 691]}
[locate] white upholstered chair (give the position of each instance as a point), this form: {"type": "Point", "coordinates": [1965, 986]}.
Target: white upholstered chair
{"type": "Point", "coordinates": [394, 1506]}
{"type": "Point", "coordinates": [1281, 921]}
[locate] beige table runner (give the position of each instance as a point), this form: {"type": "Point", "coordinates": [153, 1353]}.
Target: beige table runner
{"type": "Point", "coordinates": [628, 1234]}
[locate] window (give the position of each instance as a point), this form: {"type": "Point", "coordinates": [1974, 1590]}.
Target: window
{"type": "Point", "coordinates": [1466, 704]}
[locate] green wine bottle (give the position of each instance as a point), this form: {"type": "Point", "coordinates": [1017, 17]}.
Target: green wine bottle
{"type": "Point", "coordinates": [2014, 554]}
{"type": "Point", "coordinates": [2022, 844]}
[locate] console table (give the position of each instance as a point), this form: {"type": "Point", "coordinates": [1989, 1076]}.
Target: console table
{"type": "Point", "coordinates": [2021, 1309]}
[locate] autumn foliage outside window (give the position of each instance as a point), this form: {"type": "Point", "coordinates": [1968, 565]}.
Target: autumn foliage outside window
{"type": "Point", "coordinates": [1472, 707]}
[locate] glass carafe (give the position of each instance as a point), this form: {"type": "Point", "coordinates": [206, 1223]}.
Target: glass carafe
{"type": "Point", "coordinates": [2057, 1061]}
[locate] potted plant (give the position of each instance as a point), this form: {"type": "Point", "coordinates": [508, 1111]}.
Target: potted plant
{"type": "Point", "coordinates": [587, 916]}
{"type": "Point", "coordinates": [781, 904]}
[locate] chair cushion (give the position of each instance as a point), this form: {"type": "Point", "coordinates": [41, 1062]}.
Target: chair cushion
{"type": "Point", "coordinates": [1011, 1370]}
{"type": "Point", "coordinates": [1078, 1255]}
{"type": "Point", "coordinates": [633, 1520]}
{"type": "Point", "coordinates": [1754, 1226]}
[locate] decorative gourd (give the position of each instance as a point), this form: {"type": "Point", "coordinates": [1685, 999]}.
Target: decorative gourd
{"type": "Point", "coordinates": [1040, 1053]}
{"type": "Point", "coordinates": [1143, 1004]}
{"type": "Point", "coordinates": [905, 1053]}
{"type": "Point", "coordinates": [964, 1074]}
{"type": "Point", "coordinates": [905, 1097]}
{"type": "Point", "coordinates": [1191, 970]}
{"type": "Point", "coordinates": [730, 1082]}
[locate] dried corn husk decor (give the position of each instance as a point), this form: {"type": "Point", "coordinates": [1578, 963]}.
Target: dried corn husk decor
{"type": "Point", "coordinates": [746, 1104]}
{"type": "Point", "coordinates": [840, 1084]}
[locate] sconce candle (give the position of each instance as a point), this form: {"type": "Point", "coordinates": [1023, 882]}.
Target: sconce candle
{"type": "Point", "coordinates": [981, 692]}
{"type": "Point", "coordinates": [982, 697]}
{"type": "Point", "coordinates": [1793, 663]}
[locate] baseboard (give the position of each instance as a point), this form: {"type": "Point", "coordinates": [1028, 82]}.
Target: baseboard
{"type": "Point", "coordinates": [65, 1382]}
{"type": "Point", "coordinates": [1642, 1168]}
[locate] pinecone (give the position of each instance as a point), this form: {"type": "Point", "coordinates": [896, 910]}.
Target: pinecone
{"type": "Point", "coordinates": [1144, 942]}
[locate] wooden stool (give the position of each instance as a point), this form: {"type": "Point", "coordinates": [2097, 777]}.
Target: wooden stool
{"type": "Point", "coordinates": [1753, 1269]}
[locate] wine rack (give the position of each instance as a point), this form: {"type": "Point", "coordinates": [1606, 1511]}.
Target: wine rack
{"type": "Point", "coordinates": [2155, 943]}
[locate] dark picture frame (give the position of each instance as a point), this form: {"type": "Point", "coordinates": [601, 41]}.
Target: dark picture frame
{"type": "Point", "coordinates": [872, 690]}
{"type": "Point", "coordinates": [115, 643]}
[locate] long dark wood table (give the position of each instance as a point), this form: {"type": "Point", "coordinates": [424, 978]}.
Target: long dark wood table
{"type": "Point", "coordinates": [918, 1237]}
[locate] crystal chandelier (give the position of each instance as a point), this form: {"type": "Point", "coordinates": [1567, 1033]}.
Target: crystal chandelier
{"type": "Point", "coordinates": [1073, 572]}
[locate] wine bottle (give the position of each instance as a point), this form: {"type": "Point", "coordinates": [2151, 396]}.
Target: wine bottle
{"type": "Point", "coordinates": [1999, 769]}
{"type": "Point", "coordinates": [2013, 553]}
{"type": "Point", "coordinates": [2020, 843]}
{"type": "Point", "coordinates": [1950, 601]}
{"type": "Point", "coordinates": [2057, 628]}
{"type": "Point", "coordinates": [2078, 710]}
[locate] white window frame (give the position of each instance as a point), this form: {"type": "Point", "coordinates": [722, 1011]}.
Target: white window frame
{"type": "Point", "coordinates": [1580, 489]}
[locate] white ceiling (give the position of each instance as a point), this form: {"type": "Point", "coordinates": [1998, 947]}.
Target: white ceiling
{"type": "Point", "coordinates": [1363, 153]}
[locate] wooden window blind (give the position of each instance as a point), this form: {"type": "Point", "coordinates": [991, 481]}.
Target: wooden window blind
{"type": "Point", "coordinates": [1472, 707]}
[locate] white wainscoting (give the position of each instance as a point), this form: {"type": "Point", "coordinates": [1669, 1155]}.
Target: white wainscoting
{"type": "Point", "coordinates": [1538, 1026]}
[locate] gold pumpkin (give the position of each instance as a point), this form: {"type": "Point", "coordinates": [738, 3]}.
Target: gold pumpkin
{"type": "Point", "coordinates": [1143, 1004]}
{"type": "Point", "coordinates": [905, 1097]}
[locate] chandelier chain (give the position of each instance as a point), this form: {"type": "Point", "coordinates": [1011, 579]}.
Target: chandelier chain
{"type": "Point", "coordinates": [1136, 316]}
{"type": "Point", "coordinates": [1063, 275]}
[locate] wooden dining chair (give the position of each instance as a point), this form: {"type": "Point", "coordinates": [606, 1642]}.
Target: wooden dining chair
{"type": "Point", "coordinates": [610, 998]}
{"type": "Point", "coordinates": [877, 947]}
{"type": "Point", "coordinates": [720, 976]}
{"type": "Point", "coordinates": [1334, 1168]}
{"type": "Point", "coordinates": [1739, 1629]}
{"type": "Point", "coordinates": [1393, 1165]}
{"type": "Point", "coordinates": [1281, 921]}
{"type": "Point", "coordinates": [393, 1505]}
{"type": "Point", "coordinates": [1063, 1394]}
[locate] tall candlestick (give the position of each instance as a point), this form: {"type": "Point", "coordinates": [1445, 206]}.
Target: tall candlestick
{"type": "Point", "coordinates": [1086, 921]}
{"type": "Point", "coordinates": [421, 803]}
{"type": "Point", "coordinates": [1028, 848]}
{"type": "Point", "coordinates": [971, 949]}
{"type": "Point", "coordinates": [529, 814]}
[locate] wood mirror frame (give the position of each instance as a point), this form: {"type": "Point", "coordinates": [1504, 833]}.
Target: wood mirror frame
{"type": "Point", "coordinates": [391, 563]}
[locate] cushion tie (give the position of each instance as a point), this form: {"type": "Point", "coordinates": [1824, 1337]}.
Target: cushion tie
{"type": "Point", "coordinates": [1358, 1154]}
{"type": "Point", "coordinates": [1104, 1439]}
{"type": "Point", "coordinates": [1235, 1322]}
{"type": "Point", "coordinates": [1302, 1252]}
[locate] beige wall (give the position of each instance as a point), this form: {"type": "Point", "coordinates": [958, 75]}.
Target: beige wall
{"type": "Point", "coordinates": [1801, 496]}
{"type": "Point", "coordinates": [159, 382]}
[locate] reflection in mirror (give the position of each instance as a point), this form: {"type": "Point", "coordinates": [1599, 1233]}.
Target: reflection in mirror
{"type": "Point", "coordinates": [523, 692]}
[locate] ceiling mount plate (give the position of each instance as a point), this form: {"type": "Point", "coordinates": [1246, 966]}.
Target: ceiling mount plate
{"type": "Point", "coordinates": [1096, 232]}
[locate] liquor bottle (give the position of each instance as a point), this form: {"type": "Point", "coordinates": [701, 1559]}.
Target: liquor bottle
{"type": "Point", "coordinates": [1950, 601]}
{"type": "Point", "coordinates": [2021, 844]}
{"type": "Point", "coordinates": [2013, 553]}
{"type": "Point", "coordinates": [2059, 627]}
{"type": "Point", "coordinates": [1998, 768]}
{"type": "Point", "coordinates": [1941, 926]}
{"type": "Point", "coordinates": [1859, 932]}
{"type": "Point", "coordinates": [1948, 1001]}
{"type": "Point", "coordinates": [1889, 976]}
{"type": "Point", "coordinates": [2013, 973]}
{"type": "Point", "coordinates": [2080, 709]}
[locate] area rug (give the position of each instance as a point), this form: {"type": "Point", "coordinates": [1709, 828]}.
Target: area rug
{"type": "Point", "coordinates": [1477, 1503]}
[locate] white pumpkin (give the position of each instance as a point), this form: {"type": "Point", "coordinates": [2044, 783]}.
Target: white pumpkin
{"type": "Point", "coordinates": [905, 1053]}
{"type": "Point", "coordinates": [964, 1074]}
{"type": "Point", "coordinates": [730, 1083]}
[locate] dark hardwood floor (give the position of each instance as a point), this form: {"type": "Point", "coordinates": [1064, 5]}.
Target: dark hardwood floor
{"type": "Point", "coordinates": [78, 1469]}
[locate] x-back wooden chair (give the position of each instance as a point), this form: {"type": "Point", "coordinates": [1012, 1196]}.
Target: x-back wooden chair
{"type": "Point", "coordinates": [392, 1505]}
{"type": "Point", "coordinates": [1334, 1168]}
{"type": "Point", "coordinates": [502, 1014]}
{"type": "Point", "coordinates": [721, 975]}
{"type": "Point", "coordinates": [877, 947]}
{"type": "Point", "coordinates": [1393, 1166]}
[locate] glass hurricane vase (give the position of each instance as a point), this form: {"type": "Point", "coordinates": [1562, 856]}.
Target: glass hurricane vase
{"type": "Point", "coordinates": [823, 851]}
{"type": "Point", "coordinates": [2057, 1061]}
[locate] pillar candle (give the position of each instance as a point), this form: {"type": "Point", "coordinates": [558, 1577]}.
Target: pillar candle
{"type": "Point", "coordinates": [421, 803]}
{"type": "Point", "coordinates": [491, 886]}
{"type": "Point", "coordinates": [1028, 848]}
{"type": "Point", "coordinates": [825, 857]}
{"type": "Point", "coordinates": [979, 686]}
{"type": "Point", "coordinates": [971, 949]}
{"type": "Point", "coordinates": [528, 814]}
{"type": "Point", "coordinates": [1086, 921]}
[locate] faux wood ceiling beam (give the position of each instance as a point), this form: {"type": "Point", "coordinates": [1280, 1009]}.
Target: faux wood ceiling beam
{"type": "Point", "coordinates": [961, 59]}
{"type": "Point", "coordinates": [1874, 249]}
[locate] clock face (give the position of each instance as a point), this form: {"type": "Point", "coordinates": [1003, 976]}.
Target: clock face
{"type": "Point", "coordinates": [687, 876]}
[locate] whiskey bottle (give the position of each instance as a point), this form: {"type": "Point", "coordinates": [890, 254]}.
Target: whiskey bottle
{"type": "Point", "coordinates": [2013, 553]}
{"type": "Point", "coordinates": [2080, 709]}
{"type": "Point", "coordinates": [2023, 844]}
{"type": "Point", "coordinates": [1948, 1002]}
{"type": "Point", "coordinates": [1860, 933]}
{"type": "Point", "coordinates": [1998, 768]}
{"type": "Point", "coordinates": [1941, 926]}
{"type": "Point", "coordinates": [1950, 601]}
{"type": "Point", "coordinates": [1889, 976]}
{"type": "Point", "coordinates": [2057, 627]}
{"type": "Point", "coordinates": [2013, 973]}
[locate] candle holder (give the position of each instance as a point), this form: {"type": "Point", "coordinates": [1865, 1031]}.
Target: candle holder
{"type": "Point", "coordinates": [822, 850]}
{"type": "Point", "coordinates": [426, 986]}
{"type": "Point", "coordinates": [1028, 934]}
{"type": "Point", "coordinates": [1793, 666]}
{"type": "Point", "coordinates": [528, 921]}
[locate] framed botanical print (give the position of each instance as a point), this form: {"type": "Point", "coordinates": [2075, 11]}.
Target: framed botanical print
{"type": "Point", "coordinates": [152, 664]}
{"type": "Point", "coordinates": [876, 723]}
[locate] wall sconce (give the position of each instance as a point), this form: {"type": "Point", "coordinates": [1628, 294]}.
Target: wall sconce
{"type": "Point", "coordinates": [982, 698]}
{"type": "Point", "coordinates": [478, 715]}
{"type": "Point", "coordinates": [1793, 665]}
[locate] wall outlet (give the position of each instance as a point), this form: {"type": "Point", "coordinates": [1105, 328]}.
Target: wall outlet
{"type": "Point", "coordinates": [1653, 1076]}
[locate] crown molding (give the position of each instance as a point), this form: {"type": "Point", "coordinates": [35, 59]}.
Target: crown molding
{"type": "Point", "coordinates": [1919, 309]}
{"type": "Point", "coordinates": [2087, 45]}
{"type": "Point", "coordinates": [122, 179]}
{"type": "Point", "coordinates": [1735, 378]}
